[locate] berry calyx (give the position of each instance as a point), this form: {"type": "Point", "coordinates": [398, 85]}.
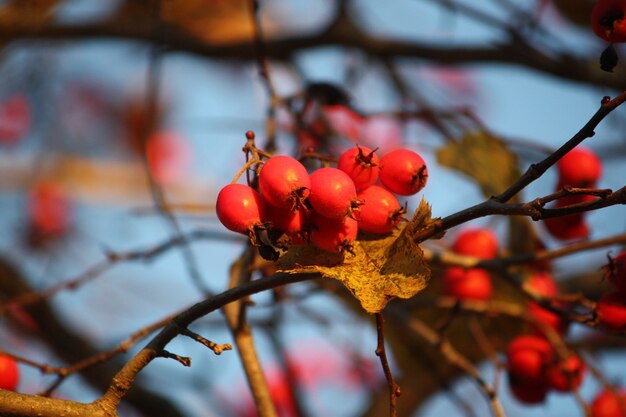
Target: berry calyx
{"type": "Point", "coordinates": [611, 311]}
{"type": "Point", "coordinates": [381, 212]}
{"type": "Point", "coordinates": [470, 284]}
{"type": "Point", "coordinates": [284, 182]}
{"type": "Point", "coordinates": [240, 208]}
{"type": "Point", "coordinates": [361, 164]}
{"type": "Point", "coordinates": [481, 243]}
{"type": "Point", "coordinates": [333, 194]}
{"type": "Point", "coordinates": [403, 171]}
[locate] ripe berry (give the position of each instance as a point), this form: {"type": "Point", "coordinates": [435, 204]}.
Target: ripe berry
{"type": "Point", "coordinates": [333, 194]}
{"type": "Point", "coordinates": [528, 358]}
{"type": "Point", "coordinates": [403, 172]}
{"type": "Point", "coordinates": [611, 311]}
{"type": "Point", "coordinates": [9, 373]}
{"type": "Point", "coordinates": [168, 156]}
{"type": "Point", "coordinates": [481, 243]}
{"type": "Point", "coordinates": [542, 284]}
{"type": "Point", "coordinates": [15, 118]}
{"type": "Point", "coordinates": [568, 227]}
{"type": "Point", "coordinates": [528, 393]}
{"type": "Point", "coordinates": [615, 271]}
{"type": "Point", "coordinates": [470, 284]}
{"type": "Point", "coordinates": [361, 164]}
{"type": "Point", "coordinates": [284, 182]}
{"type": "Point", "coordinates": [49, 210]}
{"type": "Point", "coordinates": [609, 404]}
{"type": "Point", "coordinates": [380, 212]}
{"type": "Point", "coordinates": [580, 167]}
{"type": "Point", "coordinates": [567, 375]}
{"type": "Point", "coordinates": [240, 208]}
{"type": "Point", "coordinates": [333, 235]}
{"type": "Point", "coordinates": [607, 20]}
{"type": "Point", "coordinates": [285, 220]}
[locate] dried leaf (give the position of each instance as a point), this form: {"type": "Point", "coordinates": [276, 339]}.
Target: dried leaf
{"type": "Point", "coordinates": [483, 157]}
{"type": "Point", "coordinates": [380, 269]}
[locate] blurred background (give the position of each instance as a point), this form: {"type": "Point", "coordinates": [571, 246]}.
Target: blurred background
{"type": "Point", "coordinates": [121, 120]}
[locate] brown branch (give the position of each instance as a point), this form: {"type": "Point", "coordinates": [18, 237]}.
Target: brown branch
{"type": "Point", "coordinates": [394, 389]}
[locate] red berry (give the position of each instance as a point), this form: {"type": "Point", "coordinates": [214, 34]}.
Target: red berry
{"type": "Point", "coordinates": [15, 118]}
{"type": "Point", "coordinates": [481, 243]}
{"type": "Point", "coordinates": [380, 212]}
{"type": "Point", "coordinates": [616, 272]}
{"type": "Point", "coordinates": [568, 227]}
{"type": "Point", "coordinates": [284, 182]}
{"type": "Point", "coordinates": [542, 284]}
{"type": "Point", "coordinates": [528, 358]}
{"type": "Point", "coordinates": [240, 208]}
{"type": "Point", "coordinates": [168, 156]}
{"type": "Point", "coordinates": [607, 20]}
{"type": "Point", "coordinates": [333, 235]}
{"type": "Point", "coordinates": [403, 172]}
{"type": "Point", "coordinates": [567, 375]}
{"type": "Point", "coordinates": [470, 284]}
{"type": "Point", "coordinates": [284, 219]}
{"type": "Point", "coordinates": [611, 311]}
{"type": "Point", "coordinates": [333, 194]}
{"type": "Point", "coordinates": [580, 167]}
{"type": "Point", "coordinates": [9, 373]}
{"type": "Point", "coordinates": [609, 404]}
{"type": "Point", "coordinates": [528, 393]}
{"type": "Point", "coordinates": [49, 209]}
{"type": "Point", "coordinates": [361, 164]}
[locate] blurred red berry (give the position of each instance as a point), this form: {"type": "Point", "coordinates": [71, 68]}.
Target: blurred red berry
{"type": "Point", "coordinates": [580, 167]}
{"type": "Point", "coordinates": [481, 243]}
{"type": "Point", "coordinates": [49, 210]}
{"type": "Point", "coordinates": [15, 118]}
{"type": "Point", "coordinates": [528, 392]}
{"type": "Point", "coordinates": [528, 358]}
{"type": "Point", "coordinates": [607, 20]}
{"type": "Point", "coordinates": [609, 404]}
{"type": "Point", "coordinates": [470, 284]}
{"type": "Point", "coordinates": [9, 373]}
{"type": "Point", "coordinates": [611, 311]}
{"type": "Point", "coordinates": [168, 156]}
{"type": "Point", "coordinates": [567, 375]}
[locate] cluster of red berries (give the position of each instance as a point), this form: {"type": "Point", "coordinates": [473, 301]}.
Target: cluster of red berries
{"type": "Point", "coordinates": [534, 369]}
{"type": "Point", "coordinates": [327, 207]}
{"type": "Point", "coordinates": [472, 283]}
{"type": "Point", "coordinates": [611, 308]}
{"type": "Point", "coordinates": [579, 168]}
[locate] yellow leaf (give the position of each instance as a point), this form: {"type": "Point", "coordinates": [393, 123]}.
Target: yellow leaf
{"type": "Point", "coordinates": [380, 268]}
{"type": "Point", "coordinates": [483, 157]}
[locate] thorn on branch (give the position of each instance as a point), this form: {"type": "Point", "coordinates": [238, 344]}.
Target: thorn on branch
{"type": "Point", "coordinates": [215, 347]}
{"type": "Point", "coordinates": [169, 355]}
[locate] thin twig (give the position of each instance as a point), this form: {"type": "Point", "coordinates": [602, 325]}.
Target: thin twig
{"type": "Point", "coordinates": [394, 389]}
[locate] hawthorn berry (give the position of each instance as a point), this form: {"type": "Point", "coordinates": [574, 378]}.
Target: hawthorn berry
{"type": "Point", "coordinates": [15, 118]}
{"type": "Point", "coordinates": [284, 182]}
{"type": "Point", "coordinates": [611, 311]}
{"type": "Point", "coordinates": [609, 404]}
{"type": "Point", "coordinates": [403, 171]}
{"type": "Point", "coordinates": [580, 167]}
{"type": "Point", "coordinates": [380, 212]}
{"type": "Point", "coordinates": [284, 219]}
{"type": "Point", "coordinates": [361, 164]}
{"type": "Point", "coordinates": [607, 20]}
{"type": "Point", "coordinates": [543, 284]}
{"type": "Point", "coordinates": [333, 235]}
{"type": "Point", "coordinates": [568, 227]}
{"type": "Point", "coordinates": [9, 373]}
{"type": "Point", "coordinates": [566, 375]}
{"type": "Point", "coordinates": [49, 210]}
{"type": "Point", "coordinates": [528, 358]}
{"type": "Point", "coordinates": [470, 284]}
{"type": "Point", "coordinates": [481, 243]}
{"type": "Point", "coordinates": [333, 194]}
{"type": "Point", "coordinates": [615, 271]}
{"type": "Point", "coordinates": [168, 155]}
{"type": "Point", "coordinates": [528, 392]}
{"type": "Point", "coordinates": [240, 208]}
